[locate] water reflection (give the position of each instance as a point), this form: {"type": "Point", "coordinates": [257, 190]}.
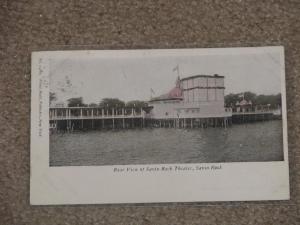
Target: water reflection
{"type": "Point", "coordinates": [240, 143]}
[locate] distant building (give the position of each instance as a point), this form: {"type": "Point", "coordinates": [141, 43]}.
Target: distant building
{"type": "Point", "coordinates": [200, 96]}
{"type": "Point", "coordinates": [243, 106]}
{"type": "Point", "coordinates": [58, 105]}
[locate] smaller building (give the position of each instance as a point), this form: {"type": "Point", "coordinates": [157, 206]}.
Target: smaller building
{"type": "Point", "coordinates": [57, 105]}
{"type": "Point", "coordinates": [243, 106]}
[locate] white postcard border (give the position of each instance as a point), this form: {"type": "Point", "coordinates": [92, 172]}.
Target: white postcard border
{"type": "Point", "coordinates": [246, 181]}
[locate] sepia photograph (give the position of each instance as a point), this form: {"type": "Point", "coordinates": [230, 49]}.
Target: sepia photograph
{"type": "Point", "coordinates": [165, 109]}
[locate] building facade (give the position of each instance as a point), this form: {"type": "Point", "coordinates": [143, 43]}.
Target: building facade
{"type": "Point", "coordinates": [194, 97]}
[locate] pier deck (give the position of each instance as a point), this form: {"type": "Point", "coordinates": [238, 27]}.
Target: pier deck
{"type": "Point", "coordinates": [73, 118]}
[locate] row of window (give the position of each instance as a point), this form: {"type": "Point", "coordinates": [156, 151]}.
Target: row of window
{"type": "Point", "coordinates": [203, 82]}
{"type": "Point", "coordinates": [196, 95]}
{"type": "Point", "coordinates": [188, 110]}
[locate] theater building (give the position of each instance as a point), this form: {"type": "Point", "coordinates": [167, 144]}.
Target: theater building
{"type": "Point", "coordinates": [194, 101]}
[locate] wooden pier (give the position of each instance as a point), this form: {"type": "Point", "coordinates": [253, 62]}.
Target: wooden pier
{"type": "Point", "coordinates": [253, 116]}
{"type": "Point", "coordinates": [80, 118]}
{"type": "Point", "coordinates": [89, 118]}
{"type": "Point", "coordinates": [191, 122]}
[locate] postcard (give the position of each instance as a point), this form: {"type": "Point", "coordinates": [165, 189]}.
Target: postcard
{"type": "Point", "coordinates": [158, 126]}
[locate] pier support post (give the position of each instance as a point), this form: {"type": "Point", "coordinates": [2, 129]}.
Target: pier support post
{"type": "Point", "coordinates": [113, 115]}
{"type": "Point", "coordinates": [123, 120]}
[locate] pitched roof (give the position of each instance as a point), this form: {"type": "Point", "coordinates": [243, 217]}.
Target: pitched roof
{"type": "Point", "coordinates": [174, 94]}
{"type": "Point", "coordinates": [195, 76]}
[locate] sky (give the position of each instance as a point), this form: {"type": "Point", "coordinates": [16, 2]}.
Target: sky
{"type": "Point", "coordinates": [132, 78]}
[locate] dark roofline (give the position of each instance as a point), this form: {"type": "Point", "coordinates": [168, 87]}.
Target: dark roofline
{"type": "Point", "coordinates": [211, 76]}
{"type": "Point", "coordinates": [165, 99]}
{"type": "Point", "coordinates": [92, 107]}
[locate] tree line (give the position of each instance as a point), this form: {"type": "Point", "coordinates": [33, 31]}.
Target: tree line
{"type": "Point", "coordinates": [104, 103]}
{"type": "Point", "coordinates": [274, 101]}
{"type": "Point", "coordinates": [107, 103]}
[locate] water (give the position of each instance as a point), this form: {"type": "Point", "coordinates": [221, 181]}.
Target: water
{"type": "Point", "coordinates": [253, 142]}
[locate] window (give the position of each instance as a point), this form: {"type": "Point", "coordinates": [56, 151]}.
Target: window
{"type": "Point", "coordinates": [211, 82]}
{"type": "Point", "coordinates": [220, 82]}
{"type": "Point", "coordinates": [191, 95]}
{"type": "Point", "coordinates": [190, 83]}
{"type": "Point", "coordinates": [202, 82]}
{"type": "Point", "coordinates": [220, 94]}
{"type": "Point", "coordinates": [211, 94]}
{"type": "Point", "coordinates": [202, 95]}
{"type": "Point", "coordinates": [196, 95]}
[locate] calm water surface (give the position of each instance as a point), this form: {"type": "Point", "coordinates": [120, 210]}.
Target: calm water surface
{"type": "Point", "coordinates": [239, 143]}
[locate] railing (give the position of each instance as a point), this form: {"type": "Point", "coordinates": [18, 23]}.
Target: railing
{"type": "Point", "coordinates": [255, 112]}
{"type": "Point", "coordinates": [96, 117]}
{"type": "Point", "coordinates": [72, 113]}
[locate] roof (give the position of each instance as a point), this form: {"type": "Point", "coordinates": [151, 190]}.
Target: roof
{"type": "Point", "coordinates": [177, 92]}
{"type": "Point", "coordinates": [243, 102]}
{"type": "Point", "coordinates": [174, 94]}
{"type": "Point", "coordinates": [162, 98]}
{"type": "Point", "coordinates": [208, 76]}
